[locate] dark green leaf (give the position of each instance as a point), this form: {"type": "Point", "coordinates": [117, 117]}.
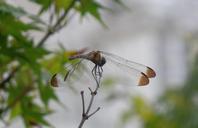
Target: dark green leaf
{"type": "Point", "coordinates": [47, 94]}
{"type": "Point", "coordinates": [91, 7]}
{"type": "Point", "coordinates": [45, 4]}
{"type": "Point", "coordinates": [15, 11]}
{"type": "Point", "coordinates": [62, 4]}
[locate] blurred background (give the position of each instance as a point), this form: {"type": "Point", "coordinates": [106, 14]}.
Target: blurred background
{"type": "Point", "coordinates": [160, 34]}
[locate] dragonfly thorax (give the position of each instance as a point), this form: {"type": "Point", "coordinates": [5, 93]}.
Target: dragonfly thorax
{"type": "Point", "coordinates": [96, 58]}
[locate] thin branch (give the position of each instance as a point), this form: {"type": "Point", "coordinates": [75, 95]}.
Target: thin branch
{"type": "Point", "coordinates": [8, 78]}
{"type": "Point", "coordinates": [64, 23]}
{"type": "Point", "coordinates": [82, 122]}
{"type": "Point", "coordinates": [58, 22]}
{"type": "Point", "coordinates": [83, 101]}
{"type": "Point", "coordinates": [86, 115]}
{"type": "Point", "coordinates": [91, 101]}
{"type": "Point", "coordinates": [94, 112]}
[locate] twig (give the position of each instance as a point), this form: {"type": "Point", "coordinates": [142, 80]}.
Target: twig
{"type": "Point", "coordinates": [58, 22]}
{"type": "Point", "coordinates": [83, 101]}
{"type": "Point", "coordinates": [94, 112]}
{"type": "Point", "coordinates": [86, 115]}
{"type": "Point", "coordinates": [91, 101]}
{"type": "Point", "coordinates": [8, 78]}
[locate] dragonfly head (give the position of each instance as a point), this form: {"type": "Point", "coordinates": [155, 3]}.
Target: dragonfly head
{"type": "Point", "coordinates": [102, 61]}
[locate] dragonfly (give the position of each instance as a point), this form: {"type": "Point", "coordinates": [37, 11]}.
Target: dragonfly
{"type": "Point", "coordinates": [139, 72]}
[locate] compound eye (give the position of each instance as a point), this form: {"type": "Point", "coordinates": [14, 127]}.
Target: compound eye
{"type": "Point", "coordinates": [103, 61]}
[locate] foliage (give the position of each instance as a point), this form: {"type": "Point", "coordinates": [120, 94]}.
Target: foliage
{"type": "Point", "coordinates": [25, 65]}
{"type": "Point", "coordinates": [176, 108]}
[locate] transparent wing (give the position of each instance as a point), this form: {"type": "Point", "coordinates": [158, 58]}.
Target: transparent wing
{"type": "Point", "coordinates": [138, 72]}
{"type": "Point", "coordinates": [74, 74]}
{"type": "Point", "coordinates": [149, 72]}
{"type": "Point", "coordinates": [60, 78]}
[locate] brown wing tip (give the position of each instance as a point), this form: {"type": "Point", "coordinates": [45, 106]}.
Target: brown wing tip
{"type": "Point", "coordinates": [143, 80]}
{"type": "Point", "coordinates": [150, 72]}
{"type": "Point", "coordinates": [54, 81]}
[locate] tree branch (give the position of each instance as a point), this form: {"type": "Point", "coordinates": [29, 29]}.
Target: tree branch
{"type": "Point", "coordinates": [86, 115]}
{"type": "Point", "coordinates": [94, 112]}
{"type": "Point", "coordinates": [8, 78]}
{"type": "Point", "coordinates": [83, 101]}
{"type": "Point", "coordinates": [58, 22]}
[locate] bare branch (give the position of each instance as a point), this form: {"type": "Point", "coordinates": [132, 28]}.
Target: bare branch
{"type": "Point", "coordinates": [83, 101]}
{"type": "Point", "coordinates": [94, 112]}
{"type": "Point", "coordinates": [90, 103]}
{"type": "Point", "coordinates": [86, 115]}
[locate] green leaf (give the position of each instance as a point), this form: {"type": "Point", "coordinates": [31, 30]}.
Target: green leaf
{"type": "Point", "coordinates": [33, 113]}
{"type": "Point", "coordinates": [45, 4]}
{"type": "Point", "coordinates": [62, 4]}
{"type": "Point", "coordinates": [15, 11]}
{"type": "Point", "coordinates": [91, 7]}
{"type": "Point", "coordinates": [47, 94]}
{"type": "Point", "coordinates": [18, 12]}
{"type": "Point", "coordinates": [10, 26]}
{"type": "Point", "coordinates": [120, 2]}
{"type": "Point", "coordinates": [15, 111]}
{"type": "Point", "coordinates": [37, 117]}
{"type": "Point", "coordinates": [126, 116]}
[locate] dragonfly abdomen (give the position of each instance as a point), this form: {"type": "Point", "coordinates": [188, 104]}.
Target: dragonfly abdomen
{"type": "Point", "coordinates": [77, 57]}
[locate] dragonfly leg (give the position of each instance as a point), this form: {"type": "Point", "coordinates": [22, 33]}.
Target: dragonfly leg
{"type": "Point", "coordinates": [66, 75]}
{"type": "Point", "coordinates": [93, 72]}
{"type": "Point", "coordinates": [100, 71]}
{"type": "Point", "coordinates": [96, 75]}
